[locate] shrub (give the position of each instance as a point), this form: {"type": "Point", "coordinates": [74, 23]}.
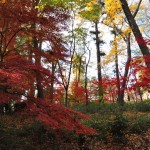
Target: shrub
{"type": "Point", "coordinates": [103, 108]}
{"type": "Point", "coordinates": [101, 126]}
{"type": "Point", "coordinates": [143, 106]}
{"type": "Point", "coordinates": [140, 125]}
{"type": "Point", "coordinates": [118, 126]}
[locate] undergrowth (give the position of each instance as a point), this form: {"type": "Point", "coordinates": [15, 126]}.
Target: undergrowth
{"type": "Point", "coordinates": [111, 122]}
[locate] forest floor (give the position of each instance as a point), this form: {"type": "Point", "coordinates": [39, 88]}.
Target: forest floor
{"type": "Point", "coordinates": [132, 142]}
{"type": "Point", "coordinates": [128, 131]}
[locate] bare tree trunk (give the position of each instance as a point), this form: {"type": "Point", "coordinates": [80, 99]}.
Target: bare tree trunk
{"type": "Point", "coordinates": [37, 48]}
{"type": "Point", "coordinates": [86, 92]}
{"type": "Point", "coordinates": [31, 91]}
{"type": "Point", "coordinates": [52, 81]}
{"type": "Point", "coordinates": [118, 79]}
{"type": "Point", "coordinates": [135, 30]}
{"type": "Point", "coordinates": [73, 44]}
{"type": "Point", "coordinates": [129, 56]}
{"type": "Point", "coordinates": [100, 90]}
{"type": "Point", "coordinates": [70, 69]}
{"type": "Point", "coordinates": [128, 59]}
{"type": "Point", "coordinates": [66, 96]}
{"type": "Point", "coordinates": [79, 71]}
{"type": "Point", "coordinates": [40, 92]}
{"type": "Point", "coordinates": [140, 93]}
{"type": "Point", "coordinates": [64, 82]}
{"type": "Point", "coordinates": [126, 68]}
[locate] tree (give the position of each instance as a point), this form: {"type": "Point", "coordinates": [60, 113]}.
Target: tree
{"type": "Point", "coordinates": [115, 19]}
{"type": "Point", "coordinates": [65, 71]}
{"type": "Point", "coordinates": [86, 80]}
{"type": "Point", "coordinates": [141, 78]}
{"type": "Point", "coordinates": [135, 29]}
{"type": "Point", "coordinates": [91, 12]}
{"type": "Point", "coordinates": [77, 94]}
{"type": "Point", "coordinates": [128, 42]}
{"type": "Point", "coordinates": [23, 28]}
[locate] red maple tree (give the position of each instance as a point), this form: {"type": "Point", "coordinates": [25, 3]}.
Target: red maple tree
{"type": "Point", "coordinates": [23, 30]}
{"type": "Point", "coordinates": [140, 72]}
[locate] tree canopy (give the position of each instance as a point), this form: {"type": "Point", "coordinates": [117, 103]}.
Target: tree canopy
{"type": "Point", "coordinates": [46, 50]}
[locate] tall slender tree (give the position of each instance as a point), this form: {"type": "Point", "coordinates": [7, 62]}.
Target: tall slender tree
{"type": "Point", "coordinates": [135, 29]}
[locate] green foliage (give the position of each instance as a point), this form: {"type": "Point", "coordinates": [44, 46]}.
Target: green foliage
{"type": "Point", "coordinates": [108, 108]}
{"type": "Point", "coordinates": [17, 135]}
{"type": "Point", "coordinates": [140, 124]}
{"type": "Point", "coordinates": [54, 2]}
{"type": "Point", "coordinates": [115, 121]}
{"type": "Point", "coordinates": [118, 126]}
{"type": "Point", "coordinates": [142, 106]}
{"type": "Point", "coordinates": [22, 138]}
{"type": "Point", "coordinates": [57, 2]}
{"type": "Point", "coordinates": [92, 13]}
{"type": "Point", "coordinates": [103, 108]}
{"type": "Point", "coordinates": [111, 121]}
{"type": "Point", "coordinates": [115, 126]}
{"type": "Point", "coordinates": [101, 126]}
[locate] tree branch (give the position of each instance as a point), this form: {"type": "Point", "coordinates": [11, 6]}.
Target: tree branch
{"type": "Point", "coordinates": [137, 9]}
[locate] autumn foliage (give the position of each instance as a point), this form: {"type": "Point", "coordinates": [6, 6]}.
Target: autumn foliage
{"type": "Point", "coordinates": [77, 94]}
{"type": "Point", "coordinates": [23, 29]}
{"type": "Point", "coordinates": [140, 72]}
{"type": "Point", "coordinates": [32, 49]}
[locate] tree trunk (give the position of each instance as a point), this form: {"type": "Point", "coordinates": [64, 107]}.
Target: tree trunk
{"type": "Point", "coordinates": [126, 68]}
{"type": "Point", "coordinates": [52, 81]}
{"type": "Point", "coordinates": [135, 30]}
{"type": "Point", "coordinates": [129, 57]}
{"type": "Point", "coordinates": [31, 91]}
{"type": "Point", "coordinates": [118, 79]}
{"type": "Point", "coordinates": [40, 92]}
{"type": "Point", "coordinates": [86, 81]}
{"type": "Point", "coordinates": [79, 69]}
{"type": "Point", "coordinates": [86, 92]}
{"type": "Point", "coordinates": [66, 96]}
{"type": "Point", "coordinates": [100, 90]}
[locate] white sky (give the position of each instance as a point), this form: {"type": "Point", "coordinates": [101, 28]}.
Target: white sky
{"type": "Point", "coordinates": [107, 37]}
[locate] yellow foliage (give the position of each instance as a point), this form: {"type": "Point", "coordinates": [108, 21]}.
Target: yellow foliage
{"type": "Point", "coordinates": [112, 7]}
{"type": "Point", "coordinates": [115, 20]}
{"type": "Point", "coordinates": [126, 31]}
{"type": "Point", "coordinates": [116, 48]}
{"type": "Point", "coordinates": [90, 10]}
{"type": "Point", "coordinates": [91, 4]}
{"type": "Point", "coordinates": [115, 15]}
{"type": "Point", "coordinates": [111, 56]}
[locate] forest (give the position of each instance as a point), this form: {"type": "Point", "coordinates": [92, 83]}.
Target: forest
{"type": "Point", "coordinates": [74, 74]}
